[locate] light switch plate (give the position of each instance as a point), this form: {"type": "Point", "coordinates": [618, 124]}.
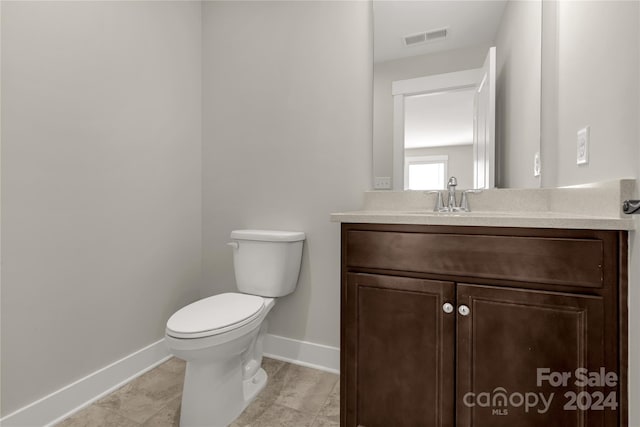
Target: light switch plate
{"type": "Point", "coordinates": [382, 183]}
{"type": "Point", "coordinates": [536, 164]}
{"type": "Point", "coordinates": [583, 146]}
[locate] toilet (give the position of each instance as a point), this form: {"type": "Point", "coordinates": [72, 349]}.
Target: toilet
{"type": "Point", "coordinates": [220, 337]}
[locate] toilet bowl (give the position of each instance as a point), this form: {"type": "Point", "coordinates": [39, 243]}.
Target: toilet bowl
{"type": "Point", "coordinates": [220, 337]}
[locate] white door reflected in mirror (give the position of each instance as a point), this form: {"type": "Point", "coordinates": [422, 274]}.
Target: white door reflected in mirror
{"type": "Point", "coordinates": [445, 125]}
{"type": "Point", "coordinates": [484, 130]}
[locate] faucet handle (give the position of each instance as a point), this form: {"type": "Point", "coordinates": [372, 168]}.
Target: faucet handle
{"type": "Point", "coordinates": [464, 203]}
{"type": "Point", "coordinates": [439, 207]}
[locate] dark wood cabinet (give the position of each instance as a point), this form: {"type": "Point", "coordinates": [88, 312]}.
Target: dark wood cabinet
{"type": "Point", "coordinates": [509, 334]}
{"type": "Point", "coordinates": [525, 304]}
{"type": "Point", "coordinates": [398, 336]}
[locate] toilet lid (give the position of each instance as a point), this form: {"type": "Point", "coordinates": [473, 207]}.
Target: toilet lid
{"type": "Point", "coordinates": [214, 315]}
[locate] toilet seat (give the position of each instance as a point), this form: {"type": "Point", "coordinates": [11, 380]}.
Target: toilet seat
{"type": "Point", "coordinates": [215, 315]}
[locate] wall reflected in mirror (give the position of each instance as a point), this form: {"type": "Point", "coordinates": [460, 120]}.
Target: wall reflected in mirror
{"type": "Point", "coordinates": [426, 39]}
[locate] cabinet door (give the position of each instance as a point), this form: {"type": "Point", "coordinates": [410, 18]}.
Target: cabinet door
{"type": "Point", "coordinates": [507, 335]}
{"type": "Point", "coordinates": [399, 367]}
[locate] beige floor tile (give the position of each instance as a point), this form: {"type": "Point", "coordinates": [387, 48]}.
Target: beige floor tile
{"type": "Point", "coordinates": [145, 396]}
{"type": "Point", "coordinates": [95, 416]}
{"type": "Point", "coordinates": [305, 389]}
{"type": "Point", "coordinates": [294, 397]}
{"type": "Point", "coordinates": [331, 408]}
{"type": "Point", "coordinates": [323, 422]}
{"type": "Point", "coordinates": [169, 416]}
{"type": "Point", "coordinates": [278, 416]}
{"type": "Point", "coordinates": [174, 365]}
{"type": "Point", "coordinates": [271, 366]}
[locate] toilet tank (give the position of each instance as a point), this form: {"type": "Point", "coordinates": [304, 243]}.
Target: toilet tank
{"type": "Point", "coordinates": [267, 262]}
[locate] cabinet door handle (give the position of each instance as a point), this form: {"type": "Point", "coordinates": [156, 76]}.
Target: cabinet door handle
{"type": "Point", "coordinates": [464, 310]}
{"type": "Point", "coordinates": [447, 307]}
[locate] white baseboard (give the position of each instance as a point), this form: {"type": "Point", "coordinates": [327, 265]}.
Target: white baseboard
{"type": "Point", "coordinates": [60, 404]}
{"type": "Point", "coordinates": [303, 353]}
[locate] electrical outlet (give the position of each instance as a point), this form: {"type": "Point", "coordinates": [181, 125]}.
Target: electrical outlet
{"type": "Point", "coordinates": [382, 183]}
{"type": "Point", "coordinates": [583, 146]}
{"type": "Point", "coordinates": [536, 164]}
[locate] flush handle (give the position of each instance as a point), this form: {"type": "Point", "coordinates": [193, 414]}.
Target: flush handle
{"type": "Point", "coordinates": [234, 245]}
{"type": "Point", "coordinates": [464, 310]}
{"type": "Point", "coordinates": [447, 307]}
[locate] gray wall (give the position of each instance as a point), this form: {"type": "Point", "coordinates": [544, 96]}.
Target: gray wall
{"type": "Point", "coordinates": [634, 289]}
{"type": "Point", "coordinates": [101, 184]}
{"type": "Point", "coordinates": [593, 80]}
{"type": "Point", "coordinates": [408, 68]}
{"type": "Point", "coordinates": [286, 141]}
{"type": "Point", "coordinates": [634, 285]}
{"type": "Point", "coordinates": [518, 54]}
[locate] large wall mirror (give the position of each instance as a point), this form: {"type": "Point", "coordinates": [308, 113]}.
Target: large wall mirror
{"type": "Point", "coordinates": [456, 93]}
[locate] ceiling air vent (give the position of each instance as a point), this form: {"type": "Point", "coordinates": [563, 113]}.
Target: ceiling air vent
{"type": "Point", "coordinates": [428, 36]}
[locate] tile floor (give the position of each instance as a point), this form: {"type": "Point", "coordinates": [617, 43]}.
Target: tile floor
{"type": "Point", "coordinates": [294, 397]}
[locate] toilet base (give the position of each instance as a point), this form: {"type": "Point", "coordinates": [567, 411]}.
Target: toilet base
{"type": "Point", "coordinates": [209, 403]}
{"type": "Point", "coordinates": [253, 386]}
{"type": "Point", "coordinates": [222, 377]}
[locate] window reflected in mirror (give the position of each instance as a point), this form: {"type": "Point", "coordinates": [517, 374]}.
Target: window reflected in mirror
{"type": "Point", "coordinates": [425, 172]}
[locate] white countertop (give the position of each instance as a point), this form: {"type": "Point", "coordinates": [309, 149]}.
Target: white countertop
{"type": "Point", "coordinates": [487, 219]}
{"type": "Point", "coordinates": [594, 206]}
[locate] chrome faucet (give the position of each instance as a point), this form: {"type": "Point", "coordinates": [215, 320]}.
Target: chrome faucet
{"type": "Point", "coordinates": [452, 205]}
{"type": "Point", "coordinates": [464, 203]}
{"type": "Point", "coordinates": [451, 187]}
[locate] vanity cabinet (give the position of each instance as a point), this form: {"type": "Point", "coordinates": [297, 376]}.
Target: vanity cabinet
{"type": "Point", "coordinates": [448, 326]}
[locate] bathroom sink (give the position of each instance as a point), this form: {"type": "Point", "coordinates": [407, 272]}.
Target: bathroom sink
{"type": "Point", "coordinates": [431, 213]}
{"type": "Point", "coordinates": [476, 214]}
